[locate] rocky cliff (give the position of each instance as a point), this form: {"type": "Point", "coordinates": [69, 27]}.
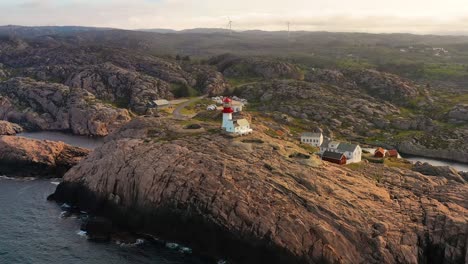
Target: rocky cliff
{"type": "Point", "coordinates": [255, 200]}
{"type": "Point", "coordinates": [27, 157]}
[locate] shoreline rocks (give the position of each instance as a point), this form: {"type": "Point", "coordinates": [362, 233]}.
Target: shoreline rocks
{"type": "Point", "coordinates": [412, 148]}
{"type": "Point", "coordinates": [37, 158]}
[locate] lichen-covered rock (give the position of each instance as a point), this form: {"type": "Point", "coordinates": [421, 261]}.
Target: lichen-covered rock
{"type": "Point", "coordinates": [28, 157]}
{"type": "Point", "coordinates": [9, 129]}
{"type": "Point", "coordinates": [47, 106]}
{"type": "Point", "coordinates": [274, 209]}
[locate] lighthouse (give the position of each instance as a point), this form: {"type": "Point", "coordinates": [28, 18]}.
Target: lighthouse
{"type": "Point", "coordinates": [231, 125]}
{"type": "Point", "coordinates": [227, 112]}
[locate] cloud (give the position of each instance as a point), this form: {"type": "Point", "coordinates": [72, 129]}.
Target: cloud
{"type": "Point", "coordinates": [415, 16]}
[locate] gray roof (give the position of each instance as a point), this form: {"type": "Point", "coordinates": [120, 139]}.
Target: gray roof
{"type": "Point", "coordinates": [241, 122]}
{"type": "Point", "coordinates": [161, 102]}
{"type": "Point", "coordinates": [325, 143]}
{"type": "Point", "coordinates": [310, 134]}
{"type": "Point", "coordinates": [347, 147]}
{"type": "Point", "coordinates": [332, 155]}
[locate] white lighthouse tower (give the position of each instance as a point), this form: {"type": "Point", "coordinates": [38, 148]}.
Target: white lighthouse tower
{"type": "Point", "coordinates": [234, 126]}
{"type": "Point", "coordinates": [227, 112]}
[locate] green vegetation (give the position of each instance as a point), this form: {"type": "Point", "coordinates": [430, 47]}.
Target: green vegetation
{"type": "Point", "coordinates": [398, 163]}
{"type": "Point", "coordinates": [309, 148]}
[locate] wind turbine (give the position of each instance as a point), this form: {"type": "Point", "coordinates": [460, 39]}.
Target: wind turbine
{"type": "Point", "coordinates": [230, 26]}
{"type": "Point", "coordinates": [289, 29]}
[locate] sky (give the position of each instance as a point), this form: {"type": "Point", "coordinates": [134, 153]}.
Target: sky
{"type": "Point", "coordinates": [376, 16]}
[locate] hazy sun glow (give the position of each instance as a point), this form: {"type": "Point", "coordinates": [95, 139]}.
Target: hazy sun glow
{"type": "Point", "coordinates": [417, 16]}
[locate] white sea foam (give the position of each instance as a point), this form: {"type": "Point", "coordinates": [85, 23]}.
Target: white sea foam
{"type": "Point", "coordinates": [172, 245]}
{"type": "Point", "coordinates": [82, 233]}
{"type": "Point", "coordinates": [55, 183]}
{"type": "Point", "coordinates": [138, 242]}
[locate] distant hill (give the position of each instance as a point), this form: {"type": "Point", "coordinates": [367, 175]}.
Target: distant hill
{"type": "Point", "coordinates": [193, 30]}
{"type": "Point", "coordinates": [22, 31]}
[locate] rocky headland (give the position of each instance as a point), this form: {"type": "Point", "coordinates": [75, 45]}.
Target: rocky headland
{"type": "Point", "coordinates": [259, 199]}
{"type": "Point", "coordinates": [25, 157]}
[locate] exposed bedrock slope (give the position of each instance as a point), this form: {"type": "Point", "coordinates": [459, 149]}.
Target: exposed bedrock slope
{"type": "Point", "coordinates": [250, 202]}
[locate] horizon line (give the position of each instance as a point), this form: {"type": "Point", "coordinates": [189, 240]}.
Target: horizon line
{"type": "Point", "coordinates": [148, 30]}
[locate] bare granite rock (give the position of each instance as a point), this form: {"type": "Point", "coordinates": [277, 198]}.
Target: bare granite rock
{"type": "Point", "coordinates": [9, 129]}
{"type": "Point", "coordinates": [244, 198]}
{"type": "Point", "coordinates": [28, 157]}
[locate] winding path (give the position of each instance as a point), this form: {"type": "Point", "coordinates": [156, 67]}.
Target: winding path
{"type": "Point", "coordinates": [178, 115]}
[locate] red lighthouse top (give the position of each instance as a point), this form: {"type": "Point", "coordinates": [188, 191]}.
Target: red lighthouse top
{"type": "Point", "coordinates": [227, 106]}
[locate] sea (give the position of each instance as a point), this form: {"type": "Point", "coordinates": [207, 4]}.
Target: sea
{"type": "Point", "coordinates": [32, 231]}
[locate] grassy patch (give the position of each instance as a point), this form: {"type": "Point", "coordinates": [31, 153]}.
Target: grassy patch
{"type": "Point", "coordinates": [355, 166]}
{"type": "Point", "coordinates": [398, 163]}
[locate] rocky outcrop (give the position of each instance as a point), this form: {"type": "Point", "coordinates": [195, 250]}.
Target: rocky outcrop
{"type": "Point", "coordinates": [239, 67]}
{"type": "Point", "coordinates": [264, 206]}
{"type": "Point", "coordinates": [385, 86]}
{"type": "Point", "coordinates": [449, 145]}
{"type": "Point", "coordinates": [209, 81]}
{"type": "Point", "coordinates": [333, 77]}
{"type": "Point", "coordinates": [321, 105]}
{"type": "Point", "coordinates": [459, 113]}
{"type": "Point", "coordinates": [128, 89]}
{"type": "Point", "coordinates": [416, 123]}
{"type": "Point", "coordinates": [27, 157]}
{"type": "Point", "coordinates": [9, 129]}
{"type": "Point", "coordinates": [47, 106]}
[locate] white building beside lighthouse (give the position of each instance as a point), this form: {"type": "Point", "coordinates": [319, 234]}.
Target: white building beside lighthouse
{"type": "Point", "coordinates": [230, 125]}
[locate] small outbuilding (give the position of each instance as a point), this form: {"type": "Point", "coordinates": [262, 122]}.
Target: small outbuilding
{"type": "Point", "coordinates": [393, 153]}
{"type": "Point", "coordinates": [160, 104]}
{"type": "Point", "coordinates": [379, 153]}
{"type": "Point", "coordinates": [334, 157]}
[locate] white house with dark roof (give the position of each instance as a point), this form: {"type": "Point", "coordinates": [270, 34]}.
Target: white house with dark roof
{"type": "Point", "coordinates": [353, 152]}
{"type": "Point", "coordinates": [313, 139]}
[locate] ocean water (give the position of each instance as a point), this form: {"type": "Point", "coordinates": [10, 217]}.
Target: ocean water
{"type": "Point", "coordinates": [74, 140]}
{"type": "Point", "coordinates": [32, 232]}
